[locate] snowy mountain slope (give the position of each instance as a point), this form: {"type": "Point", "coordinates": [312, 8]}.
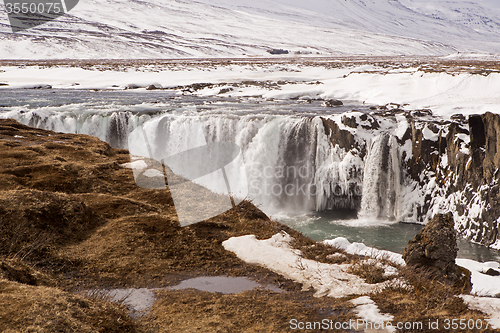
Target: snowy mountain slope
{"type": "Point", "coordinates": [458, 22]}
{"type": "Point", "coordinates": [215, 28]}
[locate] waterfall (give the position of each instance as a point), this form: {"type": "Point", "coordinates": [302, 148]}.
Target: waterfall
{"type": "Point", "coordinates": [112, 127]}
{"type": "Point", "coordinates": [381, 183]}
{"type": "Point", "coordinates": [287, 163]}
{"type": "Point", "coordinates": [279, 154]}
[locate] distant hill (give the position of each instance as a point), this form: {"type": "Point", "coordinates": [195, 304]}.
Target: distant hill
{"type": "Point", "coordinates": [228, 28]}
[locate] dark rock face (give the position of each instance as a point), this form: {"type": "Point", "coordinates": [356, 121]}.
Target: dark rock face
{"type": "Point", "coordinates": [435, 248]}
{"type": "Point", "coordinates": [340, 137]}
{"type": "Point", "coordinates": [476, 176]}
{"type": "Point", "coordinates": [492, 272]}
{"type": "Point", "coordinates": [462, 156]}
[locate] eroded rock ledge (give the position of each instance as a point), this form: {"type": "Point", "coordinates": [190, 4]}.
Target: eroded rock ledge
{"type": "Point", "coordinates": [445, 165]}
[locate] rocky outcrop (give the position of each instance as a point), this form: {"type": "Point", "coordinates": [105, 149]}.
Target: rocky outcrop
{"type": "Point", "coordinates": [345, 139]}
{"type": "Point", "coordinates": [473, 176]}
{"type": "Point", "coordinates": [154, 86]}
{"type": "Point", "coordinates": [333, 102]}
{"type": "Point", "coordinates": [435, 247]}
{"type": "Point", "coordinates": [434, 250]}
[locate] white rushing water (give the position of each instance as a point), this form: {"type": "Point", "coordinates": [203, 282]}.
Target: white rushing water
{"type": "Point", "coordinates": [382, 182]}
{"type": "Point", "coordinates": [287, 162]}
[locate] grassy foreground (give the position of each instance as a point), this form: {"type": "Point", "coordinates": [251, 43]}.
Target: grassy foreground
{"type": "Point", "coordinates": [72, 219]}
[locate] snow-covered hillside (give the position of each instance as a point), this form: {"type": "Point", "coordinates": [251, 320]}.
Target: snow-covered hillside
{"type": "Point", "coordinates": [220, 28]}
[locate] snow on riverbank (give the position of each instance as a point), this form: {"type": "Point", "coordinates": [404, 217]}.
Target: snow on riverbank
{"type": "Point", "coordinates": [482, 284]}
{"type": "Point", "coordinates": [443, 93]}
{"type": "Point", "coordinates": [332, 280]}
{"type": "Point", "coordinates": [363, 250]}
{"type": "Point", "coordinates": [488, 305]}
{"type": "Point", "coordinates": [276, 254]}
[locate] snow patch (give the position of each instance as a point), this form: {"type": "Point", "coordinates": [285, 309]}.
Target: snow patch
{"type": "Point", "coordinates": [362, 249]}
{"type": "Point", "coordinates": [367, 310]}
{"type": "Point", "coordinates": [136, 165]}
{"type": "Point", "coordinates": [430, 135]}
{"type": "Point", "coordinates": [277, 255]}
{"type": "Point", "coordinates": [490, 306]}
{"type": "Point", "coordinates": [152, 173]}
{"type": "Point", "coordinates": [402, 126]}
{"type": "Point", "coordinates": [482, 284]}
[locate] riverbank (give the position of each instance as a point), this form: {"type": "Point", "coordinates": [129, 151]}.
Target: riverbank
{"type": "Point", "coordinates": [73, 219]}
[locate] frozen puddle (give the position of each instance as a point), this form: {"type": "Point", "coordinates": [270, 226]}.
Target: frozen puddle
{"type": "Point", "coordinates": [141, 300]}
{"type": "Point", "coordinates": [137, 299]}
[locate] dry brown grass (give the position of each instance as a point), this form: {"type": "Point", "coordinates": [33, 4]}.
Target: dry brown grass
{"type": "Point", "coordinates": [25, 308]}
{"type": "Point", "coordinates": [370, 272]}
{"type": "Point", "coordinates": [16, 270]}
{"type": "Point", "coordinates": [427, 299]}
{"type": "Point", "coordinates": [34, 222]}
{"type": "Point", "coordinates": [72, 218]}
{"type": "Point", "coordinates": [141, 249]}
{"type": "Point", "coordinates": [251, 311]}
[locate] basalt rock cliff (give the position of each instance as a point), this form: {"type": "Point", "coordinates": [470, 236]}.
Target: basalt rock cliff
{"type": "Point", "coordinates": [443, 165]}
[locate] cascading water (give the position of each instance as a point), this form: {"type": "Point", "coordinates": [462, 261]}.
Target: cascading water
{"type": "Point", "coordinates": [286, 152]}
{"type": "Point", "coordinates": [112, 127]}
{"type": "Point", "coordinates": [279, 154]}
{"type": "Point", "coordinates": [288, 163]}
{"type": "Point", "coordinates": [381, 179]}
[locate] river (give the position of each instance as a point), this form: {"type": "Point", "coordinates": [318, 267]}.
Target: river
{"type": "Point", "coordinates": [282, 141]}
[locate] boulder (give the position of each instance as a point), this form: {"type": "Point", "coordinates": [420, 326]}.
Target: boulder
{"type": "Point", "coordinates": [225, 90]}
{"type": "Point", "coordinates": [492, 272]}
{"type": "Point", "coordinates": [333, 102]}
{"type": "Point", "coordinates": [435, 248]}
{"type": "Point", "coordinates": [43, 86]}
{"type": "Point", "coordinates": [154, 86]}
